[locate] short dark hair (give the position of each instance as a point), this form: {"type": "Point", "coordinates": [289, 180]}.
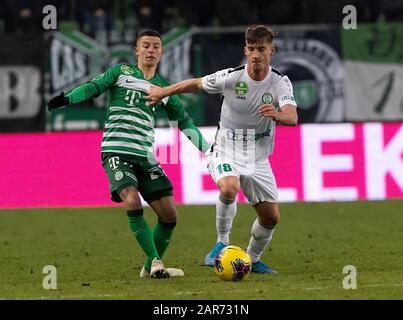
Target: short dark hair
{"type": "Point", "coordinates": [147, 32]}
{"type": "Point", "coordinates": [258, 32]}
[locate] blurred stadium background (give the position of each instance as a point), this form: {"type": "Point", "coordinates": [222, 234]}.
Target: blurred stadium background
{"type": "Point", "coordinates": [347, 82]}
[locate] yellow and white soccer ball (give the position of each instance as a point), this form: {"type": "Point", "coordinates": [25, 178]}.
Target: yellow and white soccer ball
{"type": "Point", "coordinates": [232, 263]}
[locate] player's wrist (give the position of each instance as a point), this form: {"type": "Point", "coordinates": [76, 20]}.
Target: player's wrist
{"type": "Point", "coordinates": [164, 93]}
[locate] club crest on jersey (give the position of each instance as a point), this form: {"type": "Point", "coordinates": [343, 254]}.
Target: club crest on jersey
{"type": "Point", "coordinates": [241, 89]}
{"type": "Point", "coordinates": [267, 98]}
{"type": "Point", "coordinates": [126, 69]}
{"type": "Point", "coordinates": [118, 175]}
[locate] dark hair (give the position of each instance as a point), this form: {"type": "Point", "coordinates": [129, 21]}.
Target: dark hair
{"type": "Point", "coordinates": [258, 32]}
{"type": "Point", "coordinates": [147, 32]}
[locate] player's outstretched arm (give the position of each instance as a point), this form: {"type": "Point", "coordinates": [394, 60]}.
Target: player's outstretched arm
{"type": "Point", "coordinates": [157, 93]}
{"type": "Point", "coordinates": [94, 88]}
{"type": "Point", "coordinates": [81, 93]}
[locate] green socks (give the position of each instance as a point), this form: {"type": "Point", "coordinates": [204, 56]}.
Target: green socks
{"type": "Point", "coordinates": [141, 231]}
{"type": "Point", "coordinates": [162, 234]}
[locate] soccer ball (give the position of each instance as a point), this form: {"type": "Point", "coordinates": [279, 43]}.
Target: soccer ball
{"type": "Point", "coordinates": [232, 264]}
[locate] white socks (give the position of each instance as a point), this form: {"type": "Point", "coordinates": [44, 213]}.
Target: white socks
{"type": "Point", "coordinates": [225, 214]}
{"type": "Point", "coordinates": [259, 240]}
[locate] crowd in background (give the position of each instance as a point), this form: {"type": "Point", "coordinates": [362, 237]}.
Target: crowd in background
{"type": "Point", "coordinates": [93, 15]}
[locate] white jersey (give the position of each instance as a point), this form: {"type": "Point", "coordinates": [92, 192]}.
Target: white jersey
{"type": "Point", "coordinates": [241, 127]}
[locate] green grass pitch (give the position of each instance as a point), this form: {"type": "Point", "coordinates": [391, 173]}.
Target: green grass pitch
{"type": "Point", "coordinates": [97, 258]}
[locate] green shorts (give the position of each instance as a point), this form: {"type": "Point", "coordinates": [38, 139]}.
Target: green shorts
{"type": "Point", "coordinates": [124, 171]}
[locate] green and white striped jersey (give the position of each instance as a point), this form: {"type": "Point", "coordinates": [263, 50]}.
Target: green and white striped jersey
{"type": "Point", "coordinates": [129, 125]}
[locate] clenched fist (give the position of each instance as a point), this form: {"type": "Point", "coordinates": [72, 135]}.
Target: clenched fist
{"type": "Point", "coordinates": [268, 110]}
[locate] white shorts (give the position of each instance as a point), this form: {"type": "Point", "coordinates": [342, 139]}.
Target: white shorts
{"type": "Point", "coordinates": [257, 179]}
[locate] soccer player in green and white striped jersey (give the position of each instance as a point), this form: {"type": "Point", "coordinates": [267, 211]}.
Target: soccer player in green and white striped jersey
{"type": "Point", "coordinates": [127, 146]}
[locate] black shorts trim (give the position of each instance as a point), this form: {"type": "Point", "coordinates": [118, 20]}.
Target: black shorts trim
{"type": "Point", "coordinates": [156, 195]}
{"type": "Point", "coordinates": [115, 197]}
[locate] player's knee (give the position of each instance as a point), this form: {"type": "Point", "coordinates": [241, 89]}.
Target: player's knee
{"type": "Point", "coordinates": [132, 202]}
{"type": "Point", "coordinates": [130, 198]}
{"type": "Point", "coordinates": [229, 191]}
{"type": "Point", "coordinates": [170, 215]}
{"type": "Point", "coordinates": [271, 218]}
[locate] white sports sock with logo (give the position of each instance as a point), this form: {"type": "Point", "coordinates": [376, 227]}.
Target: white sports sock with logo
{"type": "Point", "coordinates": [259, 240]}
{"type": "Point", "coordinates": [225, 214]}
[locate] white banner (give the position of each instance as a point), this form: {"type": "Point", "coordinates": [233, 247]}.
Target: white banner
{"type": "Point", "coordinates": [373, 91]}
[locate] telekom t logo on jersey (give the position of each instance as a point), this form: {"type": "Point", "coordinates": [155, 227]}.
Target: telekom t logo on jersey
{"type": "Point", "coordinates": [133, 97]}
{"type": "Point", "coordinates": [114, 162]}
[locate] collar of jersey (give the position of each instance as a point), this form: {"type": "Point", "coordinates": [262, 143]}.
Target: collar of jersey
{"type": "Point", "coordinates": [254, 81]}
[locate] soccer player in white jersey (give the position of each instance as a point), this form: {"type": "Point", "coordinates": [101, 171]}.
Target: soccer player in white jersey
{"type": "Point", "coordinates": [256, 97]}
